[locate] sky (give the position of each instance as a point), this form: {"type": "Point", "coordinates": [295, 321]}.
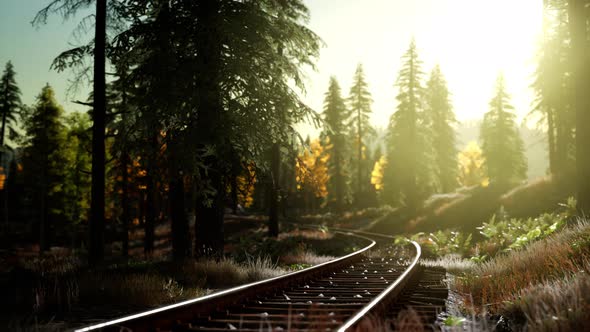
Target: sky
{"type": "Point", "coordinates": [472, 41]}
{"type": "Point", "coordinates": [32, 49]}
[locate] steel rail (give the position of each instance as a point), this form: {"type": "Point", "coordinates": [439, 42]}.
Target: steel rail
{"type": "Point", "coordinates": [171, 313]}
{"type": "Point", "coordinates": [379, 303]}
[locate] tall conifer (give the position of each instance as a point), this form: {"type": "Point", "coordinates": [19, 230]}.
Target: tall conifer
{"type": "Point", "coordinates": [335, 114]}
{"type": "Point", "coordinates": [359, 103]}
{"type": "Point", "coordinates": [441, 118]}
{"type": "Point", "coordinates": [408, 175]}
{"type": "Point", "coordinates": [9, 99]}
{"type": "Point", "coordinates": [502, 146]}
{"type": "Point", "coordinates": [44, 159]}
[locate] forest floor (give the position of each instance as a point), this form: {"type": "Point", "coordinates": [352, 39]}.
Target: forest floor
{"type": "Point", "coordinates": [57, 292]}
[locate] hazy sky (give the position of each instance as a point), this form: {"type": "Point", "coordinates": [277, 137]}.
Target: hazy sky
{"type": "Point", "coordinates": [472, 40]}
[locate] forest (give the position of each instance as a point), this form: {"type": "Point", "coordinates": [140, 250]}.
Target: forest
{"type": "Point", "coordinates": [188, 173]}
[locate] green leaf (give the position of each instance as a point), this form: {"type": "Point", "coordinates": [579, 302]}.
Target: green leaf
{"type": "Point", "coordinates": [454, 321]}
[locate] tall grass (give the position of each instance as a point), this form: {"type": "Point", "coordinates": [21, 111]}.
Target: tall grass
{"type": "Point", "coordinates": [523, 279]}
{"type": "Point", "coordinates": [452, 263]}
{"type": "Point", "coordinates": [560, 305]}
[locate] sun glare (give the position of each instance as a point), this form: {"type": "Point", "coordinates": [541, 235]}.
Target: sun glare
{"type": "Point", "coordinates": [471, 40]}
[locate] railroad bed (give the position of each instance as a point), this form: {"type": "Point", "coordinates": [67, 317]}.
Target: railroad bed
{"type": "Point", "coordinates": [335, 295]}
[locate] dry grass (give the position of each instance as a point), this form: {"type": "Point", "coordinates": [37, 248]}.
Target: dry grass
{"type": "Point", "coordinates": [535, 197]}
{"type": "Point", "coordinates": [493, 283]}
{"type": "Point", "coordinates": [452, 263]}
{"type": "Point", "coordinates": [306, 234]}
{"type": "Point", "coordinates": [260, 268]}
{"type": "Point", "coordinates": [561, 305]}
{"type": "Point", "coordinates": [59, 287]}
{"type": "Point", "coordinates": [227, 273]}
{"type": "Point", "coordinates": [305, 257]}
{"type": "Point", "coordinates": [133, 290]}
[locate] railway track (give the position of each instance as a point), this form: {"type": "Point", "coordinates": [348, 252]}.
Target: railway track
{"type": "Point", "coordinates": [338, 295]}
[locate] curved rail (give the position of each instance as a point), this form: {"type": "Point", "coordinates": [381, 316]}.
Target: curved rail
{"type": "Point", "coordinates": [198, 305]}
{"type": "Point", "coordinates": [382, 300]}
{"type": "Point", "coordinates": [386, 296]}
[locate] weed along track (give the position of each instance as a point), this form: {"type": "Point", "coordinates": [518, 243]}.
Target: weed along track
{"type": "Point", "coordinates": [343, 295]}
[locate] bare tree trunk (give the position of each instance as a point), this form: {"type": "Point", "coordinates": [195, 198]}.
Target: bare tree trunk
{"type": "Point", "coordinates": [176, 199]}
{"type": "Point", "coordinates": [150, 216]}
{"type": "Point", "coordinates": [273, 213]}
{"type": "Point", "coordinates": [581, 102]}
{"type": "Point", "coordinates": [234, 185]}
{"type": "Point", "coordinates": [97, 205]}
{"type": "Point", "coordinates": [209, 210]}
{"type": "Point", "coordinates": [125, 215]}
{"type": "Point", "coordinates": [359, 192]}
{"type": "Point", "coordinates": [551, 138]}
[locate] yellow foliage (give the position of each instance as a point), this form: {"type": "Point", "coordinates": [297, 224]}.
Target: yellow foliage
{"type": "Point", "coordinates": [471, 171]}
{"type": "Point", "coordinates": [311, 170]}
{"type": "Point", "coordinates": [377, 173]}
{"type": "Point", "coordinates": [246, 183]}
{"type": "Point", "coordinates": [2, 178]}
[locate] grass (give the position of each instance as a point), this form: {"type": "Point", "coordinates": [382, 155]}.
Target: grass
{"type": "Point", "coordinates": [132, 290]}
{"type": "Point", "coordinates": [560, 305]}
{"type": "Point", "coordinates": [534, 282]}
{"type": "Point", "coordinates": [52, 288]}
{"type": "Point", "coordinates": [452, 263]}
{"type": "Point", "coordinates": [141, 284]}
{"type": "Point", "coordinates": [305, 257]}
{"type": "Point", "coordinates": [535, 197]}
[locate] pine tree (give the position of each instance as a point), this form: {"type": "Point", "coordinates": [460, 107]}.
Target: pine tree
{"type": "Point", "coordinates": [335, 114]}
{"type": "Point", "coordinates": [553, 86]}
{"type": "Point", "coordinates": [77, 182]}
{"type": "Point", "coordinates": [67, 9]}
{"type": "Point", "coordinates": [408, 175]}
{"type": "Point", "coordinates": [502, 146]}
{"type": "Point", "coordinates": [441, 118]}
{"type": "Point", "coordinates": [44, 161]}
{"type": "Point", "coordinates": [359, 104]}
{"type": "Point", "coordinates": [10, 102]}
{"type": "Point", "coordinates": [214, 72]}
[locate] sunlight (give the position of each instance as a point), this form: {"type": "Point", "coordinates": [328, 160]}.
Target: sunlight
{"type": "Point", "coordinates": [471, 40]}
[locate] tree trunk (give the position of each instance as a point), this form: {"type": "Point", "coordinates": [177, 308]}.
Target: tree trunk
{"type": "Point", "coordinates": [551, 138]}
{"type": "Point", "coordinates": [273, 211]}
{"type": "Point", "coordinates": [150, 215]}
{"type": "Point", "coordinates": [411, 187]}
{"type": "Point", "coordinates": [234, 185]}
{"type": "Point", "coordinates": [4, 113]}
{"type": "Point", "coordinates": [125, 215]}
{"type": "Point", "coordinates": [151, 192]}
{"type": "Point", "coordinates": [338, 185]}
{"type": "Point", "coordinates": [581, 102]}
{"type": "Point", "coordinates": [180, 229]}
{"type": "Point", "coordinates": [97, 205]}
{"type": "Point", "coordinates": [43, 222]}
{"type": "Point", "coordinates": [209, 209]}
{"type": "Point", "coordinates": [178, 216]}
{"type": "Point", "coordinates": [359, 193]}
{"type": "Point", "coordinates": [209, 223]}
